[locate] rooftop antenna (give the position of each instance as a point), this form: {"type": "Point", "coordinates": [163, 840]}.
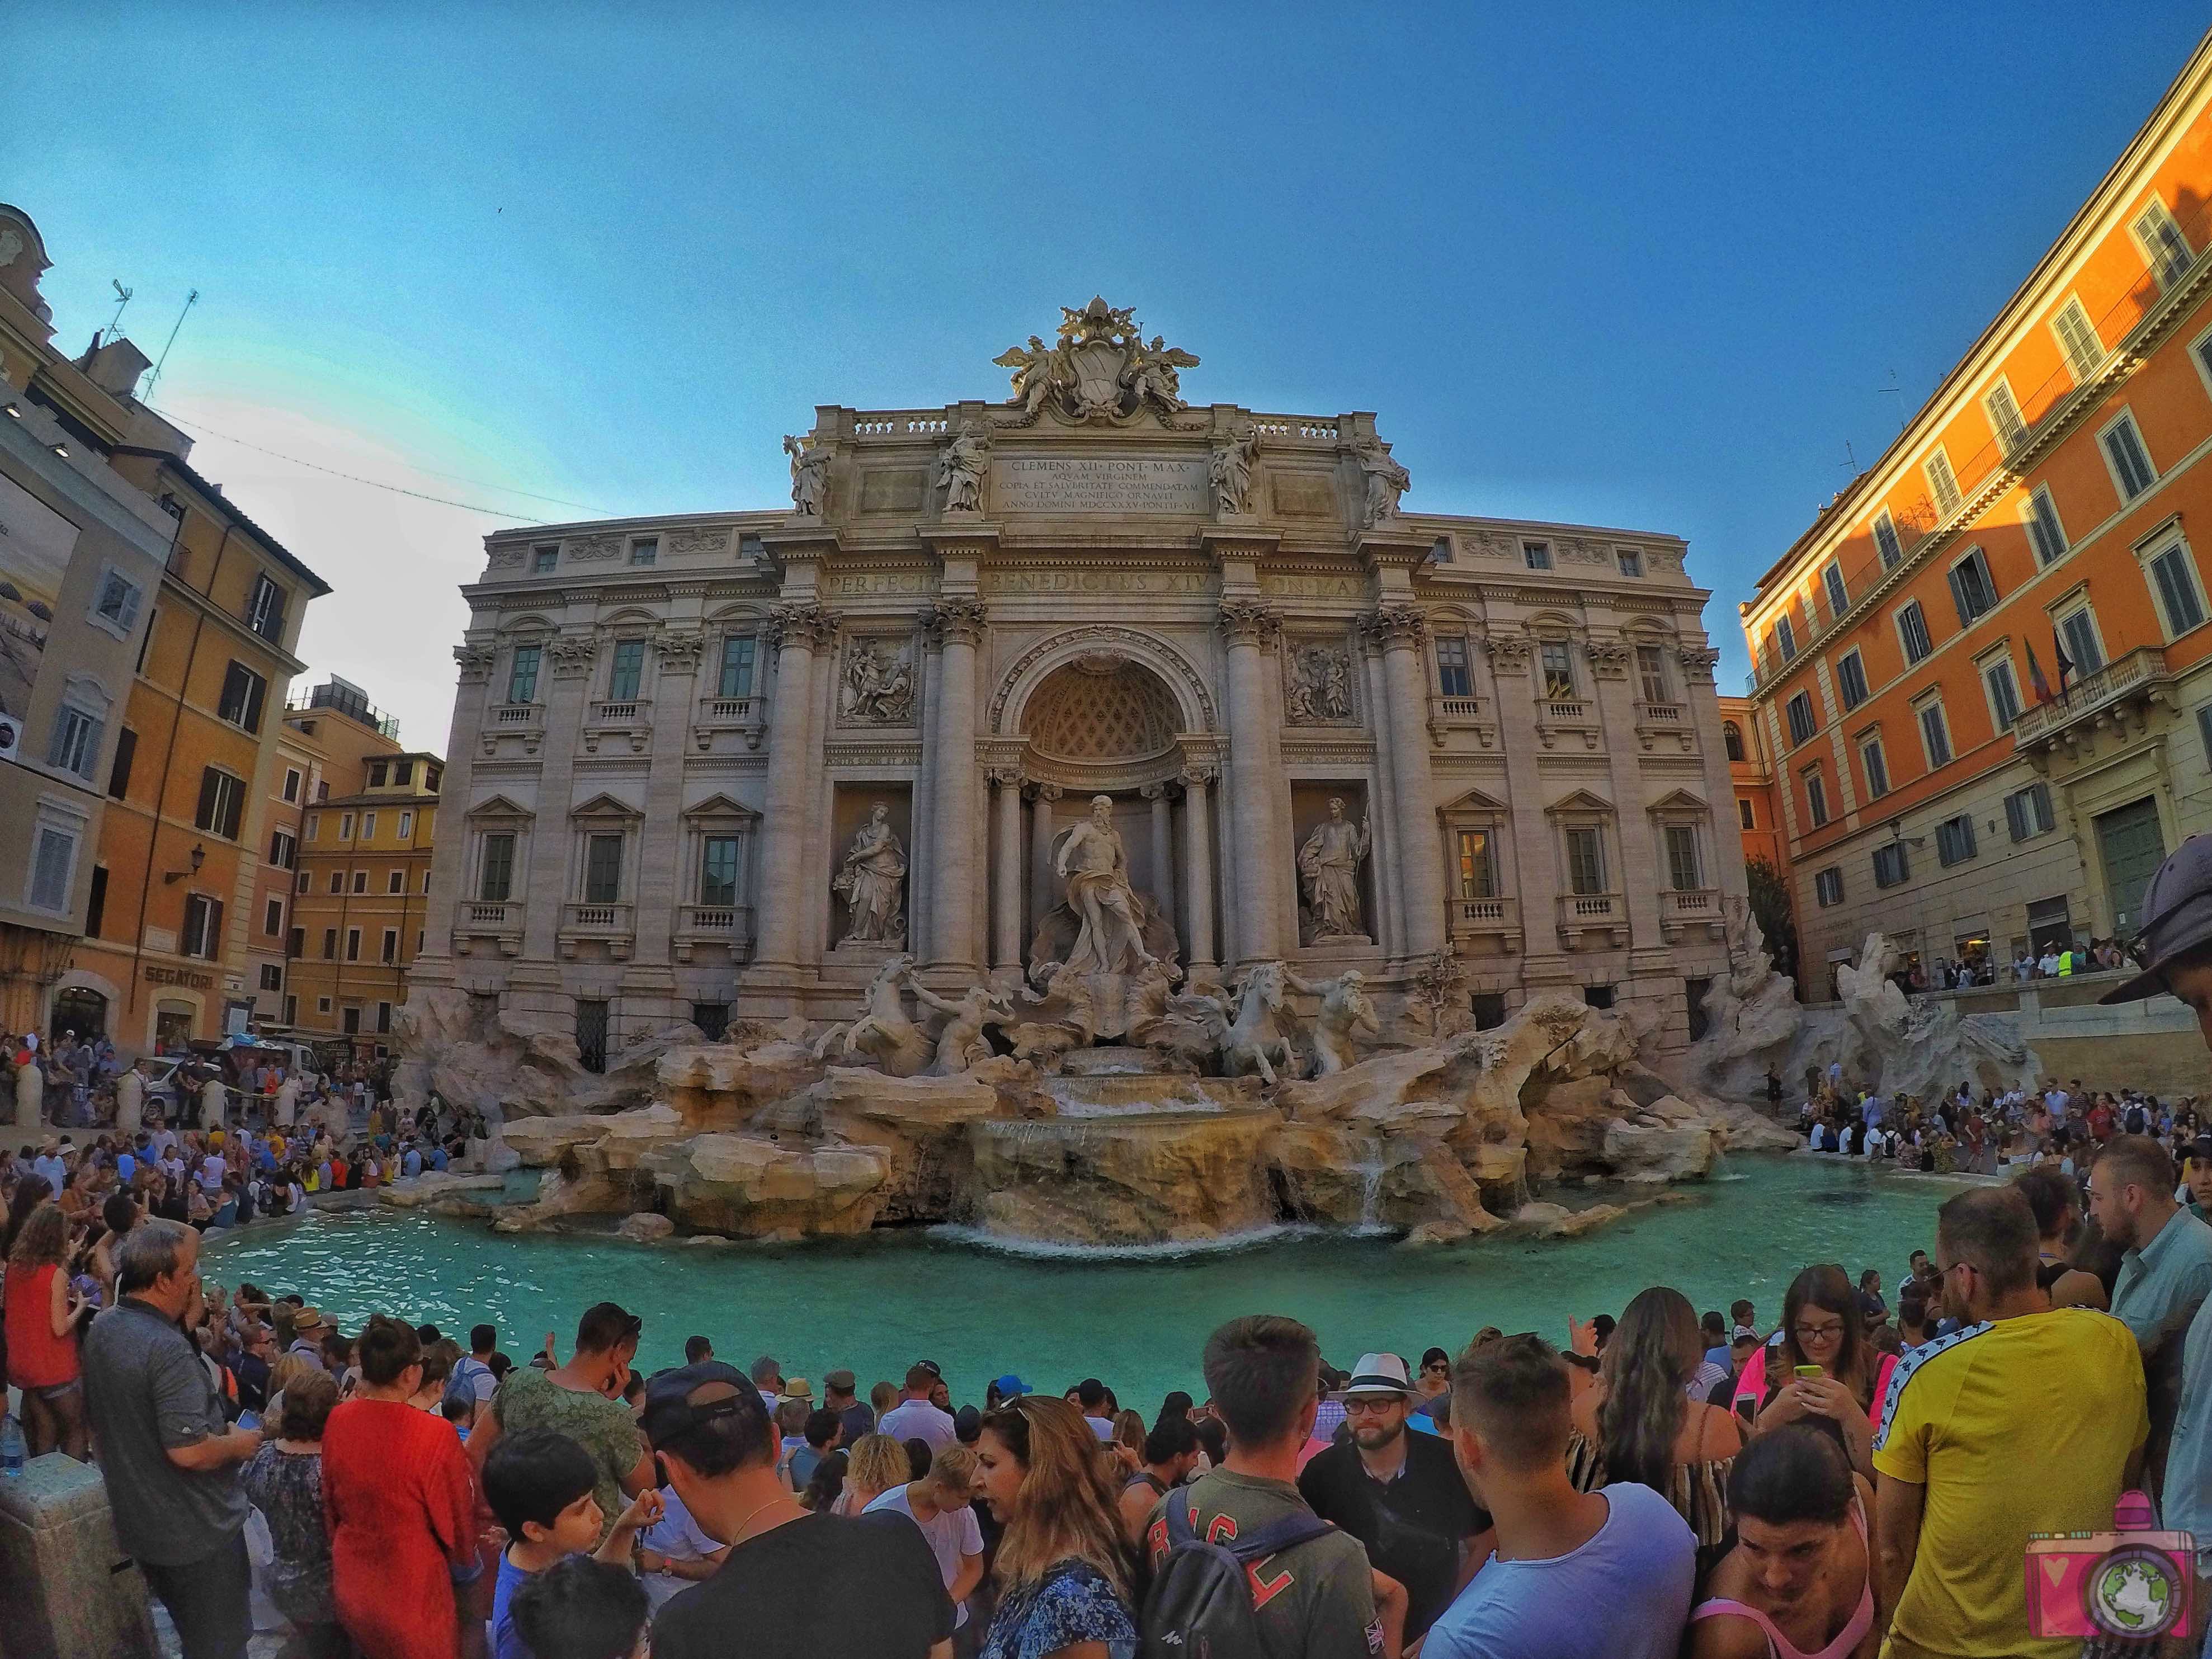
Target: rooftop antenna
{"type": "Point", "coordinates": [191, 299]}
{"type": "Point", "coordinates": [1895, 389]}
{"type": "Point", "coordinates": [114, 329]}
{"type": "Point", "coordinates": [1850, 458]}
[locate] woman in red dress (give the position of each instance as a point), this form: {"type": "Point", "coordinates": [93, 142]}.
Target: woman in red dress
{"type": "Point", "coordinates": [41, 1314]}
{"type": "Point", "coordinates": [401, 1501]}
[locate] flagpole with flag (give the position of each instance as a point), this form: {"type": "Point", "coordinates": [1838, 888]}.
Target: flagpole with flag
{"type": "Point", "coordinates": [2042, 686]}
{"type": "Point", "coordinates": [2065, 662]}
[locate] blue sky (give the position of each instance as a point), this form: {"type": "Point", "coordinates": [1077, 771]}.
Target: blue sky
{"type": "Point", "coordinates": [1584, 264]}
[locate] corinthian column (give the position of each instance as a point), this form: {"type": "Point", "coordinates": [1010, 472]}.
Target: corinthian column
{"type": "Point", "coordinates": [1400, 629]}
{"type": "Point", "coordinates": [1163, 860]}
{"type": "Point", "coordinates": [958, 620]}
{"type": "Point", "coordinates": [1198, 866]}
{"type": "Point", "coordinates": [1253, 779]}
{"type": "Point", "coordinates": [796, 631]}
{"type": "Point", "coordinates": [1041, 895]}
{"type": "Point", "coordinates": [1006, 939]}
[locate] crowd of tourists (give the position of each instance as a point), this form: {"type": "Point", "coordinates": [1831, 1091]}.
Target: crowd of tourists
{"type": "Point", "coordinates": [2059, 958]}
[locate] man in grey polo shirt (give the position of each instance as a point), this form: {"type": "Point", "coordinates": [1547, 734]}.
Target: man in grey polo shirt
{"type": "Point", "coordinates": [169, 1457]}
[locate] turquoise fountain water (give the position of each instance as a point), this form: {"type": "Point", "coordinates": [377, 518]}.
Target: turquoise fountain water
{"type": "Point", "coordinates": [874, 1304]}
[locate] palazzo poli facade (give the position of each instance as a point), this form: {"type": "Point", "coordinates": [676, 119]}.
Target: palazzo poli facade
{"type": "Point", "coordinates": [730, 764]}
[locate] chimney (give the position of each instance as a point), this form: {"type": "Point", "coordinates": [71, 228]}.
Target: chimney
{"type": "Point", "coordinates": [115, 367]}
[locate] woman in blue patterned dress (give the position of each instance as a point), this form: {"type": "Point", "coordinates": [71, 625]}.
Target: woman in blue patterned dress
{"type": "Point", "coordinates": [1063, 1578]}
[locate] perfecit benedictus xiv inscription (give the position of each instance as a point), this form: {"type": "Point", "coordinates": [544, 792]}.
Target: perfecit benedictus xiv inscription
{"type": "Point", "coordinates": [1100, 484]}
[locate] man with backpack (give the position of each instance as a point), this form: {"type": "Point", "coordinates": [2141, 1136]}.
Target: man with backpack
{"type": "Point", "coordinates": [471, 1382]}
{"type": "Point", "coordinates": [1241, 1567]}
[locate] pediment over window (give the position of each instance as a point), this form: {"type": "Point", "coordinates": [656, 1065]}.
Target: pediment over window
{"type": "Point", "coordinates": [1581, 802]}
{"type": "Point", "coordinates": [605, 808]}
{"type": "Point", "coordinates": [721, 808]}
{"type": "Point", "coordinates": [1678, 803]}
{"type": "Point", "coordinates": [499, 808]}
{"type": "Point", "coordinates": [1478, 803]}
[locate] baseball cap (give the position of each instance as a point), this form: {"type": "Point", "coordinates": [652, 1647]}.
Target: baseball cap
{"type": "Point", "coordinates": [2198, 1151]}
{"type": "Point", "coordinates": [2177, 918]}
{"type": "Point", "coordinates": [1379, 1373]}
{"type": "Point", "coordinates": [1011, 1387]}
{"type": "Point", "coordinates": [933, 1368]}
{"type": "Point", "coordinates": [671, 1411]}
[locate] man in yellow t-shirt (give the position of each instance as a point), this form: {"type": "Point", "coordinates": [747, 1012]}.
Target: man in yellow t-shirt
{"type": "Point", "coordinates": [2028, 1420]}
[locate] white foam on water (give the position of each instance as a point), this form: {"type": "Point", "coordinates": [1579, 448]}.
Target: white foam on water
{"type": "Point", "coordinates": [1170, 1250]}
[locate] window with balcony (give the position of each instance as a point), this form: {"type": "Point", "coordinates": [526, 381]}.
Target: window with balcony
{"type": "Point", "coordinates": [1832, 584]}
{"type": "Point", "coordinates": [1452, 677]}
{"type": "Point", "coordinates": [1935, 734]}
{"type": "Point", "coordinates": [603, 869]}
{"type": "Point", "coordinates": [1683, 869]}
{"type": "Point", "coordinates": [1886, 540]}
{"type": "Point", "coordinates": [2126, 459]}
{"type": "Point", "coordinates": [626, 673]}
{"type": "Point", "coordinates": [1478, 864]}
{"type": "Point", "coordinates": [2005, 418]}
{"type": "Point", "coordinates": [1556, 659]}
{"type": "Point", "coordinates": [2165, 249]}
{"type": "Point", "coordinates": [2173, 578]}
{"type": "Point", "coordinates": [2044, 529]}
{"type": "Point", "coordinates": [1802, 724]}
{"type": "Point", "coordinates": [1828, 886]}
{"type": "Point", "coordinates": [2077, 340]}
{"type": "Point", "coordinates": [1816, 797]}
{"type": "Point", "coordinates": [1652, 674]}
{"type": "Point", "coordinates": [222, 805]}
{"type": "Point", "coordinates": [1891, 868]}
{"type": "Point", "coordinates": [1974, 590]}
{"type": "Point", "coordinates": [1875, 765]}
{"type": "Point", "coordinates": [1785, 638]}
{"type": "Point", "coordinates": [2028, 811]}
{"type": "Point", "coordinates": [1585, 859]}
{"type": "Point", "coordinates": [202, 933]}
{"type": "Point", "coordinates": [1942, 482]}
{"type": "Point", "coordinates": [1850, 678]}
{"type": "Point", "coordinates": [264, 611]}
{"type": "Point", "coordinates": [1537, 556]}
{"type": "Point", "coordinates": [2004, 689]}
{"type": "Point", "coordinates": [1954, 840]}
{"type": "Point", "coordinates": [495, 872]}
{"type": "Point", "coordinates": [737, 676]}
{"type": "Point", "coordinates": [522, 673]}
{"type": "Point", "coordinates": [718, 871]}
{"type": "Point", "coordinates": [1913, 632]}
{"type": "Point", "coordinates": [2077, 632]}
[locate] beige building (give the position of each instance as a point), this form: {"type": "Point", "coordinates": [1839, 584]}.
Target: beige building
{"type": "Point", "coordinates": [727, 763]}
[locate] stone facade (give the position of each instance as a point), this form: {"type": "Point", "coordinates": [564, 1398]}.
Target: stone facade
{"type": "Point", "coordinates": [672, 735]}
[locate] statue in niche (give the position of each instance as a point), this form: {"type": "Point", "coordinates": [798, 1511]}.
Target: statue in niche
{"type": "Point", "coordinates": [1386, 480]}
{"type": "Point", "coordinates": [877, 690]}
{"type": "Point", "coordinates": [1320, 688]}
{"type": "Point", "coordinates": [873, 883]}
{"type": "Point", "coordinates": [809, 477]}
{"type": "Point", "coordinates": [1096, 867]}
{"type": "Point", "coordinates": [962, 1045]}
{"type": "Point", "coordinates": [960, 467]}
{"type": "Point", "coordinates": [1231, 469]}
{"type": "Point", "coordinates": [1346, 1012]}
{"type": "Point", "coordinates": [1328, 864]}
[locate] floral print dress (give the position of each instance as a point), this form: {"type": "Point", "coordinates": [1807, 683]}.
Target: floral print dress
{"type": "Point", "coordinates": [1073, 1602]}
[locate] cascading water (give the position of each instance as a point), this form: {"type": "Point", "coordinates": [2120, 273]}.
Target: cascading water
{"type": "Point", "coordinates": [1370, 1167]}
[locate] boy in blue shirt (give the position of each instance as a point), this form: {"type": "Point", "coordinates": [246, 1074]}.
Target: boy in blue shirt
{"type": "Point", "coordinates": [540, 1485]}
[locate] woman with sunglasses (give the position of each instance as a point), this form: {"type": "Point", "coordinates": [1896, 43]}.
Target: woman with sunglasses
{"type": "Point", "coordinates": [1825, 1372]}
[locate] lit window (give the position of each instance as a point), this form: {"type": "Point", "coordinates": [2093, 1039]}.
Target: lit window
{"type": "Point", "coordinates": [2165, 249]}
{"type": "Point", "coordinates": [1558, 663]}
{"type": "Point", "coordinates": [2077, 339]}
{"type": "Point", "coordinates": [2005, 418]}
{"type": "Point", "coordinates": [1942, 482]}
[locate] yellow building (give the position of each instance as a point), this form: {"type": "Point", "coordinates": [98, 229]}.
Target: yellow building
{"type": "Point", "coordinates": [364, 870]}
{"type": "Point", "coordinates": [165, 959]}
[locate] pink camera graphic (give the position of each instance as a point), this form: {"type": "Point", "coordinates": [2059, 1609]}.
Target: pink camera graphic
{"type": "Point", "coordinates": [2131, 1580]}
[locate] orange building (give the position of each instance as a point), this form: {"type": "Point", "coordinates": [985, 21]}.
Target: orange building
{"type": "Point", "coordinates": [1984, 669]}
{"type": "Point", "coordinates": [364, 870]}
{"type": "Point", "coordinates": [165, 956]}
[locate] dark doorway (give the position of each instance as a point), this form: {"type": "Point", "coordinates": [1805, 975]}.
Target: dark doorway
{"type": "Point", "coordinates": [81, 1010]}
{"type": "Point", "coordinates": [592, 1034]}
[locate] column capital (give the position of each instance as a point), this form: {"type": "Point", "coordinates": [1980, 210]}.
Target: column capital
{"type": "Point", "coordinates": [1199, 776]}
{"type": "Point", "coordinates": [1698, 661]}
{"type": "Point", "coordinates": [1609, 658]}
{"type": "Point", "coordinates": [679, 650]}
{"type": "Point", "coordinates": [474, 661]}
{"type": "Point", "coordinates": [803, 623]}
{"type": "Point", "coordinates": [572, 655]}
{"type": "Point", "coordinates": [1247, 622]}
{"type": "Point", "coordinates": [1154, 790]}
{"type": "Point", "coordinates": [1392, 625]}
{"type": "Point", "coordinates": [1508, 653]}
{"type": "Point", "coordinates": [1010, 777]}
{"type": "Point", "coordinates": [958, 617]}
{"type": "Point", "coordinates": [1046, 792]}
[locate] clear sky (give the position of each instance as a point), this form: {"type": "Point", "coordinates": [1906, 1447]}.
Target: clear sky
{"type": "Point", "coordinates": [1606, 265]}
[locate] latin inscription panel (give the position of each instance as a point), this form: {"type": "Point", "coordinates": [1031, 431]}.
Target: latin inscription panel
{"type": "Point", "coordinates": [1099, 484]}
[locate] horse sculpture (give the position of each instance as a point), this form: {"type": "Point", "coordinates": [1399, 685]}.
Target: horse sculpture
{"type": "Point", "coordinates": [1252, 1041]}
{"type": "Point", "coordinates": [883, 1033]}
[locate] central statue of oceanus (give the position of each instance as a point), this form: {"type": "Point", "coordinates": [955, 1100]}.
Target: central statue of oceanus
{"type": "Point", "coordinates": [1096, 866]}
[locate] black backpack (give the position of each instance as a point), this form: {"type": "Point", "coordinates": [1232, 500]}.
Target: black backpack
{"type": "Point", "coordinates": [2138, 1120]}
{"type": "Point", "coordinates": [1200, 1604]}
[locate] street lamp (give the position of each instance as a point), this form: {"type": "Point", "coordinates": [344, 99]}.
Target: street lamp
{"type": "Point", "coordinates": [198, 858]}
